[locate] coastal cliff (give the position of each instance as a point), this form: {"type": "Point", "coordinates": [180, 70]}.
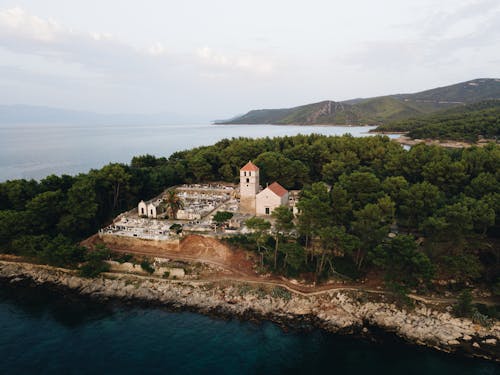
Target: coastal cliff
{"type": "Point", "coordinates": [338, 311]}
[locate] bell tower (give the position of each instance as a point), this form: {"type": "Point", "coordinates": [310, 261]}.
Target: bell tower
{"type": "Point", "coordinates": [249, 187]}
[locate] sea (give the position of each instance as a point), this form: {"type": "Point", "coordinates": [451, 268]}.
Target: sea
{"type": "Point", "coordinates": [48, 332]}
{"type": "Point", "coordinates": [44, 331]}
{"type": "Point", "coordinates": [36, 151]}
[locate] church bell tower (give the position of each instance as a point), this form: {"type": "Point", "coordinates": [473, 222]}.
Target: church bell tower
{"type": "Point", "coordinates": [249, 187]}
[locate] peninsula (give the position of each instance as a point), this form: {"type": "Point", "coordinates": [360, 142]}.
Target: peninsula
{"type": "Point", "coordinates": [378, 110]}
{"type": "Point", "coordinates": [337, 232]}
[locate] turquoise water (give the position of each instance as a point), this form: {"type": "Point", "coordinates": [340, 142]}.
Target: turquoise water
{"type": "Point", "coordinates": [44, 332]}
{"type": "Point", "coordinates": [35, 151]}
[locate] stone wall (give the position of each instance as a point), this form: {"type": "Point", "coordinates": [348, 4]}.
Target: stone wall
{"type": "Point", "coordinates": [139, 244]}
{"type": "Point", "coordinates": [247, 205]}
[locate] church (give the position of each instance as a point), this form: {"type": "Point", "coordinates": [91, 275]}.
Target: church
{"type": "Point", "coordinates": [255, 201]}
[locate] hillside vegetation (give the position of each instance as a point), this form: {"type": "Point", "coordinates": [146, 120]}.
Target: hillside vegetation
{"type": "Point", "coordinates": [378, 110]}
{"type": "Point", "coordinates": [363, 204]}
{"type": "Point", "coordinates": [466, 123]}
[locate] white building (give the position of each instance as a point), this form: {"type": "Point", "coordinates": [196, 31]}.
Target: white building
{"type": "Point", "coordinates": [150, 209]}
{"type": "Point", "coordinates": [271, 197]}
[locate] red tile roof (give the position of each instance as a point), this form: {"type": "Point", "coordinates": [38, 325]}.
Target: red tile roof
{"type": "Point", "coordinates": [250, 167]}
{"type": "Point", "coordinates": [277, 189]}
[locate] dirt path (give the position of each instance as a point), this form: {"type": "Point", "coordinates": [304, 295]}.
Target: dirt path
{"type": "Point", "coordinates": [291, 287]}
{"type": "Point", "coordinates": [208, 250]}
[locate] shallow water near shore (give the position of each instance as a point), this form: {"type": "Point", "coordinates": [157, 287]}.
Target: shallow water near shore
{"type": "Point", "coordinates": [45, 331]}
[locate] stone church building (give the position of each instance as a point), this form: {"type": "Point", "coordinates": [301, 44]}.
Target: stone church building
{"type": "Point", "coordinates": [258, 202]}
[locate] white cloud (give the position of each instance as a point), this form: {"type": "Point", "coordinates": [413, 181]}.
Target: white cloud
{"type": "Point", "coordinates": [157, 49]}
{"type": "Point", "coordinates": [17, 22]}
{"type": "Point", "coordinates": [245, 62]}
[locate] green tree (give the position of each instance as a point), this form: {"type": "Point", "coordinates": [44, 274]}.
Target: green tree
{"type": "Point", "coordinates": [283, 225]}
{"type": "Point", "coordinates": [221, 217]}
{"type": "Point", "coordinates": [79, 215]}
{"type": "Point", "coordinates": [274, 166]}
{"type": "Point", "coordinates": [116, 178]}
{"type": "Point", "coordinates": [402, 261]}
{"type": "Point", "coordinates": [44, 210]}
{"type": "Point", "coordinates": [420, 202]}
{"type": "Point", "coordinates": [362, 187]}
{"type": "Point", "coordinates": [315, 211]}
{"type": "Point", "coordinates": [173, 202]}
{"type": "Point", "coordinates": [371, 225]}
{"type": "Point", "coordinates": [260, 228]}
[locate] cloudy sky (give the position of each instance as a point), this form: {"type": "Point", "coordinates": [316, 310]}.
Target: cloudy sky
{"type": "Point", "coordinates": [213, 59]}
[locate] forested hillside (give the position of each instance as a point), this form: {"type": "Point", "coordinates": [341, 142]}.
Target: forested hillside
{"type": "Point", "coordinates": [377, 110]}
{"type": "Point", "coordinates": [466, 123]}
{"type": "Point", "coordinates": [356, 191]}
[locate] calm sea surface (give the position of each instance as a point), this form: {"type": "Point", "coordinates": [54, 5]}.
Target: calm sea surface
{"type": "Point", "coordinates": [35, 151]}
{"type": "Point", "coordinates": [43, 332]}
{"type": "Point", "coordinates": [48, 333]}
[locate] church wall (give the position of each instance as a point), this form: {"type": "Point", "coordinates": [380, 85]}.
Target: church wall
{"type": "Point", "coordinates": [268, 199]}
{"type": "Point", "coordinates": [142, 209]}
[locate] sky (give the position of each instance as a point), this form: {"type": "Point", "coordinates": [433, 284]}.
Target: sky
{"type": "Point", "coordinates": [215, 59]}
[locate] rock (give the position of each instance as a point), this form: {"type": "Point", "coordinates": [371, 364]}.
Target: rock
{"type": "Point", "coordinates": [490, 341]}
{"type": "Point", "coordinates": [334, 311]}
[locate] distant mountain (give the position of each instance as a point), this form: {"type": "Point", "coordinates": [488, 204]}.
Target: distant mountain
{"type": "Point", "coordinates": [376, 110]}
{"type": "Point", "coordinates": [26, 114]}
{"type": "Point", "coordinates": [467, 122]}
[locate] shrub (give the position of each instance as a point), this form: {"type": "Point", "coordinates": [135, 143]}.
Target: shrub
{"type": "Point", "coordinates": [93, 268]}
{"type": "Point", "coordinates": [244, 289]}
{"type": "Point", "coordinates": [146, 266]}
{"type": "Point", "coordinates": [400, 293]}
{"type": "Point", "coordinates": [481, 319]}
{"type": "Point", "coordinates": [124, 258]}
{"type": "Point", "coordinates": [463, 307]}
{"type": "Point", "coordinates": [279, 292]}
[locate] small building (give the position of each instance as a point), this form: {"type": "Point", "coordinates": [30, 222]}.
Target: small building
{"type": "Point", "coordinates": [150, 209]}
{"type": "Point", "coordinates": [142, 208]}
{"type": "Point", "coordinates": [271, 197]}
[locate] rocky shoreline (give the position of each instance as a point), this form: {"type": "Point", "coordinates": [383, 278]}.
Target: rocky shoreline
{"type": "Point", "coordinates": [337, 311]}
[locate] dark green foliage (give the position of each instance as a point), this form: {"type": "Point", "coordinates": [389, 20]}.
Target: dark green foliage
{"type": "Point", "coordinates": [463, 307]}
{"type": "Point", "coordinates": [221, 217]}
{"type": "Point", "coordinates": [462, 123]}
{"type": "Point", "coordinates": [146, 266]}
{"type": "Point", "coordinates": [449, 199]}
{"type": "Point", "coordinates": [279, 292]}
{"type": "Point", "coordinates": [93, 269]}
{"type": "Point", "coordinates": [123, 258]}
{"type": "Point", "coordinates": [176, 228]}
{"type": "Point", "coordinates": [400, 293]}
{"type": "Point", "coordinates": [402, 261]}
{"type": "Point", "coordinates": [95, 261]}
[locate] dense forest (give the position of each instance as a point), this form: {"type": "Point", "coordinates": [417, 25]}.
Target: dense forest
{"type": "Point", "coordinates": [465, 123]}
{"type": "Point", "coordinates": [367, 206]}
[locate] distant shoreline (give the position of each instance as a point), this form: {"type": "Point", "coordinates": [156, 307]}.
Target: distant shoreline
{"type": "Point", "coordinates": [325, 125]}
